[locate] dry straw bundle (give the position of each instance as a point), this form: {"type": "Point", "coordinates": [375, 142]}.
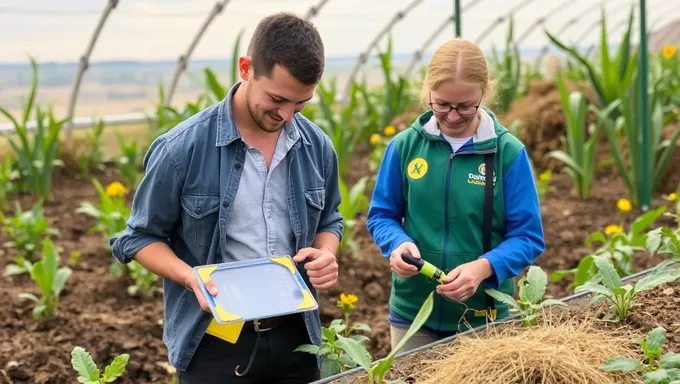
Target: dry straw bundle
{"type": "Point", "coordinates": [565, 352]}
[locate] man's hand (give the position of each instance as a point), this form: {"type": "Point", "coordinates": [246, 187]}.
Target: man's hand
{"type": "Point", "coordinates": [398, 265]}
{"type": "Point", "coordinates": [322, 268]}
{"type": "Point", "coordinates": [191, 283]}
{"type": "Point", "coordinates": [461, 283]}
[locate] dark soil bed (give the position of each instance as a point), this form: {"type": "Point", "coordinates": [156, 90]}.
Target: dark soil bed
{"type": "Point", "coordinates": [96, 313]}
{"type": "Point", "coordinates": [657, 307]}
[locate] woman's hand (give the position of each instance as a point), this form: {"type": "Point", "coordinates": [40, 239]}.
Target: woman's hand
{"type": "Point", "coordinates": [398, 265]}
{"type": "Point", "coordinates": [461, 283]}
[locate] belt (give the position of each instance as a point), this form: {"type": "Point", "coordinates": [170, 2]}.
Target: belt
{"type": "Point", "coordinates": [270, 323]}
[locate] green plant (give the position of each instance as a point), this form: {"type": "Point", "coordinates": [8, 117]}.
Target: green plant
{"type": "Point", "coordinates": [622, 297]}
{"type": "Point", "coordinates": [50, 279]}
{"type": "Point", "coordinates": [353, 202]}
{"type": "Point", "coordinates": [658, 369]}
{"type": "Point", "coordinates": [143, 281]}
{"type": "Point", "coordinates": [617, 246]}
{"type": "Point", "coordinates": [614, 76]}
{"type": "Point", "coordinates": [377, 370]}
{"type": "Point", "coordinates": [334, 358]}
{"type": "Point", "coordinates": [87, 370]}
{"type": "Point", "coordinates": [507, 71]}
{"type": "Point", "coordinates": [130, 161]}
{"type": "Point", "coordinates": [531, 290]}
{"type": "Point", "coordinates": [111, 213]}
{"type": "Point", "coordinates": [26, 231]}
{"type": "Point", "coordinates": [664, 241]}
{"type": "Point", "coordinates": [93, 158]}
{"type": "Point", "coordinates": [8, 174]}
{"type": "Point", "coordinates": [36, 162]}
{"type": "Point", "coordinates": [580, 159]}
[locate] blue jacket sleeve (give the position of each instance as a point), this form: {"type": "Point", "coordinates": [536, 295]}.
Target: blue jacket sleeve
{"type": "Point", "coordinates": [386, 210]}
{"type": "Point", "coordinates": [524, 240]}
{"type": "Point", "coordinates": [155, 207]}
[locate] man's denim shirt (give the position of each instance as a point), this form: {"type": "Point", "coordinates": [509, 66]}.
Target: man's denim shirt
{"type": "Point", "coordinates": [191, 177]}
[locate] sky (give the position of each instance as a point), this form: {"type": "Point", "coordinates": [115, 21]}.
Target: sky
{"type": "Point", "coordinates": [163, 29]}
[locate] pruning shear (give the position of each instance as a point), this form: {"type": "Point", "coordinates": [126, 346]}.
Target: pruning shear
{"type": "Point", "coordinates": [425, 268]}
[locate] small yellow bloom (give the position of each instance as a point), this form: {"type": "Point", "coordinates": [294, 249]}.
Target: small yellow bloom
{"type": "Point", "coordinates": [624, 205]}
{"type": "Point", "coordinates": [389, 130]}
{"type": "Point", "coordinates": [668, 51]}
{"type": "Point", "coordinates": [673, 196]}
{"type": "Point", "coordinates": [115, 189]}
{"type": "Point", "coordinates": [613, 229]}
{"type": "Point", "coordinates": [545, 177]}
{"type": "Point", "coordinates": [348, 299]}
{"type": "Point", "coordinates": [375, 139]}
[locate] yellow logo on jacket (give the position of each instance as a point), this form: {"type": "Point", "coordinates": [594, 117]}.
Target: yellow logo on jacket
{"type": "Point", "coordinates": [417, 168]}
{"type": "Point", "coordinates": [480, 178]}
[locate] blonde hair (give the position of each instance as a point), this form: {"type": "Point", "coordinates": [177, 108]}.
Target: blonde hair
{"type": "Point", "coordinates": [458, 59]}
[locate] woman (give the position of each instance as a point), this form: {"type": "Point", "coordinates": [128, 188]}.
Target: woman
{"type": "Point", "coordinates": [431, 200]}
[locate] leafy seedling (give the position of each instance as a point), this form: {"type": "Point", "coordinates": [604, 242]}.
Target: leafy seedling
{"type": "Point", "coordinates": [88, 373]}
{"type": "Point", "coordinates": [621, 296]}
{"type": "Point", "coordinates": [531, 290]}
{"type": "Point", "coordinates": [658, 369]}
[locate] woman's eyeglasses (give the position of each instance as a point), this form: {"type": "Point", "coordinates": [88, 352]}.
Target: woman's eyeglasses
{"type": "Point", "coordinates": [465, 110]}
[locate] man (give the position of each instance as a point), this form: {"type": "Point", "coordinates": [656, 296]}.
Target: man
{"type": "Point", "coordinates": [248, 177]}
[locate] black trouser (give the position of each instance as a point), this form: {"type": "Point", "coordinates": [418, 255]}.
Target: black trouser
{"type": "Point", "coordinates": [275, 362]}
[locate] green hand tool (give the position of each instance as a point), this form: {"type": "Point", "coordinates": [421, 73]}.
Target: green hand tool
{"type": "Point", "coordinates": [425, 268]}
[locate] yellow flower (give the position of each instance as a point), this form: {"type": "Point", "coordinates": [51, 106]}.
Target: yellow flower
{"type": "Point", "coordinates": [346, 299]}
{"type": "Point", "coordinates": [624, 205]}
{"type": "Point", "coordinates": [115, 189]}
{"type": "Point", "coordinates": [613, 229]}
{"type": "Point", "coordinates": [673, 196]}
{"type": "Point", "coordinates": [389, 130]}
{"type": "Point", "coordinates": [668, 51]}
{"type": "Point", "coordinates": [375, 139]}
{"type": "Point", "coordinates": [545, 177]}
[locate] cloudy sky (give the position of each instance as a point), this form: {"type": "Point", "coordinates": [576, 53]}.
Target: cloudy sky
{"type": "Point", "coordinates": [162, 29]}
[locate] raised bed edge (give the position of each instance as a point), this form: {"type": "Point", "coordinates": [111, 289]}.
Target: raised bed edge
{"type": "Point", "coordinates": [449, 339]}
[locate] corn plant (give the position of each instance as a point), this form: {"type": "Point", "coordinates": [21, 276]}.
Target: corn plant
{"type": "Point", "coordinates": [36, 160]}
{"type": "Point", "coordinates": [8, 176]}
{"type": "Point", "coordinates": [143, 281]}
{"type": "Point", "coordinates": [658, 152]}
{"type": "Point", "coordinates": [93, 158]}
{"type": "Point", "coordinates": [622, 297]}
{"type": "Point", "coordinates": [615, 75]}
{"type": "Point", "coordinates": [377, 370]}
{"type": "Point", "coordinates": [111, 213]}
{"type": "Point", "coordinates": [656, 367]}
{"type": "Point", "coordinates": [50, 279]}
{"type": "Point", "coordinates": [580, 159]}
{"type": "Point", "coordinates": [353, 202]}
{"type": "Point", "coordinates": [87, 370]}
{"type": "Point", "coordinates": [531, 290]}
{"type": "Point", "coordinates": [507, 71]}
{"type": "Point", "coordinates": [619, 248]}
{"type": "Point", "coordinates": [129, 162]}
{"type": "Point", "coordinates": [26, 231]}
{"type": "Point", "coordinates": [334, 357]}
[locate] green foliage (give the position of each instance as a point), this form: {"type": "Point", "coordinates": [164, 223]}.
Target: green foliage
{"type": "Point", "coordinates": [26, 231]}
{"type": "Point", "coordinates": [36, 160]}
{"type": "Point", "coordinates": [87, 370]}
{"type": "Point", "coordinates": [129, 163]}
{"type": "Point", "coordinates": [143, 281]}
{"type": "Point", "coordinates": [507, 71]}
{"type": "Point", "coordinates": [659, 368]}
{"type": "Point", "coordinates": [50, 279]}
{"type": "Point", "coordinates": [111, 213]}
{"type": "Point", "coordinates": [622, 297]}
{"type": "Point", "coordinates": [8, 176]}
{"type": "Point", "coordinates": [531, 290]}
{"type": "Point", "coordinates": [353, 202]}
{"type": "Point", "coordinates": [377, 371]}
{"type": "Point", "coordinates": [93, 158]}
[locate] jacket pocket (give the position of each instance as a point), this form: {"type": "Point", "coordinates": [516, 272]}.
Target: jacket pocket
{"type": "Point", "coordinates": [315, 199]}
{"type": "Point", "coordinates": [199, 218]}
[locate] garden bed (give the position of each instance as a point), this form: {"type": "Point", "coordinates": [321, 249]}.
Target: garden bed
{"type": "Point", "coordinates": [97, 313]}
{"type": "Point", "coordinates": [657, 307]}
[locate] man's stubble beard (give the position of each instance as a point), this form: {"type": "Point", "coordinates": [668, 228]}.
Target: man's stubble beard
{"type": "Point", "coordinates": [258, 121]}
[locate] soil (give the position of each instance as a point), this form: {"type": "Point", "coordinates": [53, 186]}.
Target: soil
{"type": "Point", "coordinates": [657, 307]}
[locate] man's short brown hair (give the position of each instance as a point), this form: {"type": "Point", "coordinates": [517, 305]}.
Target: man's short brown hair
{"type": "Point", "coordinates": [291, 42]}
